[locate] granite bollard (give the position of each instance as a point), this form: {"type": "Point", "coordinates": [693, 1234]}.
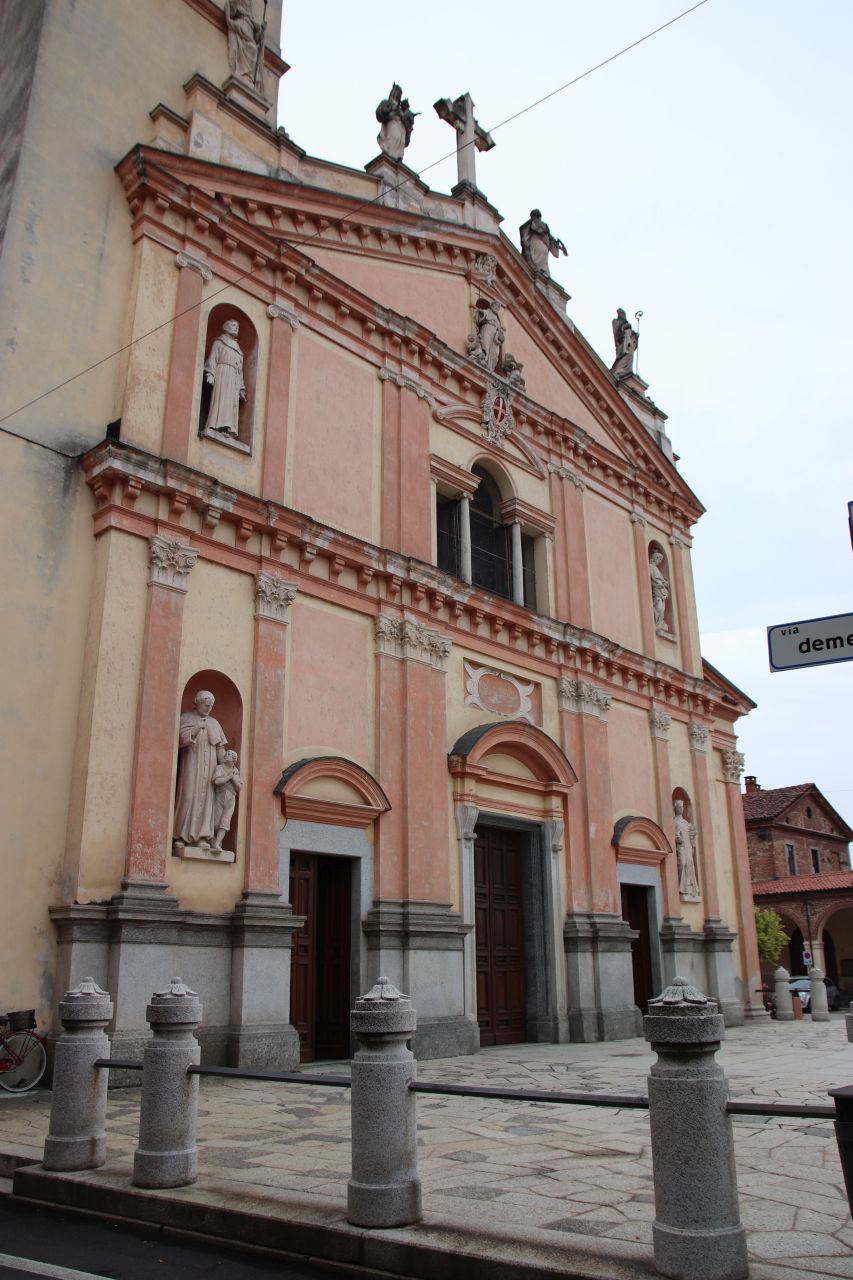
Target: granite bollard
{"type": "Point", "coordinates": [76, 1137]}
{"type": "Point", "coordinates": [384, 1190]}
{"type": "Point", "coordinates": [167, 1155]}
{"type": "Point", "coordinates": [784, 999]}
{"type": "Point", "coordinates": [818, 1002]}
{"type": "Point", "coordinates": [697, 1232]}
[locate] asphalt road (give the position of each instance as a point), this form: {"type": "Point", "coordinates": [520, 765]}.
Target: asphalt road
{"type": "Point", "coordinates": [44, 1242]}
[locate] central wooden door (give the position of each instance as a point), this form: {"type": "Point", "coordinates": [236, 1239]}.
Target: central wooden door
{"type": "Point", "coordinates": [320, 890]}
{"type": "Point", "coordinates": [499, 916]}
{"type": "Point", "coordinates": [635, 909]}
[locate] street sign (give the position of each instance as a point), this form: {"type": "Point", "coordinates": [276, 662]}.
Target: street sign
{"type": "Point", "coordinates": [807, 957]}
{"type": "Point", "coordinates": [811, 643]}
{"type": "Point", "coordinates": [850, 520]}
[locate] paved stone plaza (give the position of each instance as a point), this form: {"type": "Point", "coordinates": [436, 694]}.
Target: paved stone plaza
{"type": "Point", "coordinates": [530, 1169]}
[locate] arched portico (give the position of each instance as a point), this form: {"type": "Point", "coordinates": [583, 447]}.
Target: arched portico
{"type": "Point", "coordinates": [510, 784]}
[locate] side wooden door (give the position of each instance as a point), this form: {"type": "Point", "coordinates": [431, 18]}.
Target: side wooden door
{"type": "Point", "coordinates": [320, 890]}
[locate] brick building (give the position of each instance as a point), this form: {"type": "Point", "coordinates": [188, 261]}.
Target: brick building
{"type": "Point", "coordinates": [799, 862]}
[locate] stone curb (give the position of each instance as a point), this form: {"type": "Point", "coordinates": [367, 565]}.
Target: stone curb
{"type": "Point", "coordinates": [436, 1249]}
{"type": "Point", "coordinates": [439, 1248]}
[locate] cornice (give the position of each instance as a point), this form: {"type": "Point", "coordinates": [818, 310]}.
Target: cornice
{"type": "Point", "coordinates": [268, 537]}
{"type": "Point", "coordinates": [161, 189]}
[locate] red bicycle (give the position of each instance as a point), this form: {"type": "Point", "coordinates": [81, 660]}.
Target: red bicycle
{"type": "Point", "coordinates": [22, 1051]}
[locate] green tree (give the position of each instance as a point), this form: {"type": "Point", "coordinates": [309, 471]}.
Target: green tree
{"type": "Point", "coordinates": [771, 935]}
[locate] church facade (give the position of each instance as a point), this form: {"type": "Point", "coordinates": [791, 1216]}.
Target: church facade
{"type": "Point", "coordinates": [354, 629]}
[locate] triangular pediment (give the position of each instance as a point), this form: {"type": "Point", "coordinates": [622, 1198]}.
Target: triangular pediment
{"type": "Point", "coordinates": [369, 256]}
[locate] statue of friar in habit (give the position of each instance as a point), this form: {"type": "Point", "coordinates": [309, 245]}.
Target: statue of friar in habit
{"type": "Point", "coordinates": [223, 372]}
{"type": "Point", "coordinates": [398, 121]}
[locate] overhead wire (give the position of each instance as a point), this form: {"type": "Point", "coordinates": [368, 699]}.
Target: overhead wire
{"type": "Point", "coordinates": [338, 222]}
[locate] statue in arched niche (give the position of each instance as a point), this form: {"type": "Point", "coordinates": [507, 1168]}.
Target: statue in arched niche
{"type": "Point", "coordinates": [685, 852]}
{"type": "Point", "coordinates": [660, 590]}
{"type": "Point", "coordinates": [223, 371]}
{"type": "Point", "coordinates": [201, 748]}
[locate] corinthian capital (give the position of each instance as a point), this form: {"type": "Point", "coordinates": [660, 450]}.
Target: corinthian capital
{"type": "Point", "coordinates": [171, 562]}
{"type": "Point", "coordinates": [659, 723]}
{"type": "Point", "coordinates": [733, 762]}
{"type": "Point", "coordinates": [273, 597]}
{"type": "Point", "coordinates": [583, 697]}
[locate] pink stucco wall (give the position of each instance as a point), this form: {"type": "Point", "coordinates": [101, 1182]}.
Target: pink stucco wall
{"type": "Point", "coordinates": [329, 684]}
{"type": "Point", "coordinates": [333, 442]}
{"type": "Point", "coordinates": [612, 573]}
{"type": "Point", "coordinates": [436, 299]}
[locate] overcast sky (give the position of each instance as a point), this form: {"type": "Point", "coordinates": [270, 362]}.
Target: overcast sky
{"type": "Point", "coordinates": [705, 178]}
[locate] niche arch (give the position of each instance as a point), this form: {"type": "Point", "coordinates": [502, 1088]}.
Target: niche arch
{"type": "Point", "coordinates": [247, 338]}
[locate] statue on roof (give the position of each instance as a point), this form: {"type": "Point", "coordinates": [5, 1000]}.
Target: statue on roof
{"type": "Point", "coordinates": [398, 121]}
{"type": "Point", "coordinates": [245, 42]}
{"type": "Point", "coordinates": [626, 340]}
{"type": "Point", "coordinates": [537, 243]}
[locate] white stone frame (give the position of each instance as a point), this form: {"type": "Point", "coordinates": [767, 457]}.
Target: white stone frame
{"type": "Point", "coordinates": [648, 878]}
{"type": "Point", "coordinates": [337, 842]}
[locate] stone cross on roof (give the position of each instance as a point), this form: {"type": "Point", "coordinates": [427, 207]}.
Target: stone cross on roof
{"type": "Point", "coordinates": [470, 136]}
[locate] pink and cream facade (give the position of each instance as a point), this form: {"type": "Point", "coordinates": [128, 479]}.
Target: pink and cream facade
{"type": "Point", "coordinates": [417, 588]}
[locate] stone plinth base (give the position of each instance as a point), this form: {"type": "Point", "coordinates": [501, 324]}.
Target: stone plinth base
{"type": "Point", "coordinates": [203, 852]}
{"type": "Point", "coordinates": [245, 96]}
{"type": "Point", "coordinates": [445, 1038]}
{"type": "Point", "coordinates": [271, 1048]}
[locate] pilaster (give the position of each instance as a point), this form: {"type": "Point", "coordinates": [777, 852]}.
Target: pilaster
{"type": "Point", "coordinates": [641, 555]}
{"type": "Point", "coordinates": [699, 738]}
{"type": "Point", "coordinates": [412, 760]}
{"type": "Point", "coordinates": [573, 600]}
{"type": "Point", "coordinates": [273, 597]}
{"type": "Point", "coordinates": [685, 631]}
{"type": "Point", "coordinates": [583, 719]}
{"type": "Point", "coordinates": [659, 725]}
{"type": "Point", "coordinates": [159, 696]}
{"type": "Point", "coordinates": [183, 358]}
{"type": "Point", "coordinates": [283, 325]}
{"type": "Point", "coordinates": [733, 762]}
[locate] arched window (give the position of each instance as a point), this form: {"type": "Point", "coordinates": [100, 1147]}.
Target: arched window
{"type": "Point", "coordinates": [484, 539]}
{"type": "Point", "coordinates": [491, 552]}
{"type": "Point", "coordinates": [227, 402]}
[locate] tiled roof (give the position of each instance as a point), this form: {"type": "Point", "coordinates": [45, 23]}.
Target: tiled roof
{"type": "Point", "coordinates": [766, 805]}
{"type": "Point", "coordinates": [792, 885]}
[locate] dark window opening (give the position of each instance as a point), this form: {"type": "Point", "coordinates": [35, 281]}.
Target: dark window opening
{"type": "Point", "coordinates": [447, 521]}
{"type": "Point", "coordinates": [528, 553]}
{"type": "Point", "coordinates": [816, 861]}
{"type": "Point", "coordinates": [490, 544]}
